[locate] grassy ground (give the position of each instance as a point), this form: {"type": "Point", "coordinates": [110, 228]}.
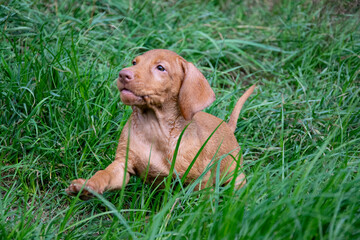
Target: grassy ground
{"type": "Point", "coordinates": [61, 117]}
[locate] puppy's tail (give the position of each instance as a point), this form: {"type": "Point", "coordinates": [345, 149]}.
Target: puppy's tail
{"type": "Point", "coordinates": [235, 113]}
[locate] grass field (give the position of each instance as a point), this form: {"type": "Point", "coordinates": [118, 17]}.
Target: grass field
{"type": "Point", "coordinates": [61, 117]}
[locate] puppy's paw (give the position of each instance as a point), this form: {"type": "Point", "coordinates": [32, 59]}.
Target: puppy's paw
{"type": "Point", "coordinates": [86, 187]}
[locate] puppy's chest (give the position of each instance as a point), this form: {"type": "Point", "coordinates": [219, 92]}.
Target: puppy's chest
{"type": "Point", "coordinates": [154, 151]}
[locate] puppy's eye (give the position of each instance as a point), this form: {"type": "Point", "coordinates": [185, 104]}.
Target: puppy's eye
{"type": "Point", "coordinates": [134, 62]}
{"type": "Point", "coordinates": [160, 68]}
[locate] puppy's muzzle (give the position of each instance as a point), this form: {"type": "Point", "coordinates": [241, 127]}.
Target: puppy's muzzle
{"type": "Point", "coordinates": [126, 76]}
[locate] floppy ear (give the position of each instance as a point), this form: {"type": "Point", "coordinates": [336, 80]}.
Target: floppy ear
{"type": "Point", "coordinates": [195, 92]}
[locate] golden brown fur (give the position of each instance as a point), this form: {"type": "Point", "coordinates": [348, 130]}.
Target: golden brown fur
{"type": "Point", "coordinates": [163, 103]}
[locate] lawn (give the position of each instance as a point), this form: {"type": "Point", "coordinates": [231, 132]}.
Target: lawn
{"type": "Point", "coordinates": [61, 117]}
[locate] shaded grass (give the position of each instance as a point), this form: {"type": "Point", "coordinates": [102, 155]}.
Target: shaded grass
{"type": "Point", "coordinates": [61, 117]}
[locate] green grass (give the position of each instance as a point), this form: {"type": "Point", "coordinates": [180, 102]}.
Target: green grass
{"type": "Point", "coordinates": [61, 117]}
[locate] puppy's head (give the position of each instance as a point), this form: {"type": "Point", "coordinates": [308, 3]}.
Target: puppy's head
{"type": "Point", "coordinates": [159, 76]}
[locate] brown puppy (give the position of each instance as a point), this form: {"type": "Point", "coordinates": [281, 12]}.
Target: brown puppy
{"type": "Point", "coordinates": [167, 93]}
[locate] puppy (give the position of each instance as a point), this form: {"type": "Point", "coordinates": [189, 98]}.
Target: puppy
{"type": "Point", "coordinates": [167, 94]}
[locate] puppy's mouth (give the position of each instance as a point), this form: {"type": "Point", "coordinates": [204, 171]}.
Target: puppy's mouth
{"type": "Point", "coordinates": [129, 98]}
{"type": "Point", "coordinates": [127, 92]}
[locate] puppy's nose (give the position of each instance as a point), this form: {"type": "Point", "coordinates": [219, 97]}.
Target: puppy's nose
{"type": "Point", "coordinates": [126, 76]}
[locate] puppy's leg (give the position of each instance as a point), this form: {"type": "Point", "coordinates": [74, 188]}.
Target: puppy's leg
{"type": "Point", "coordinates": [237, 171]}
{"type": "Point", "coordinates": [240, 181]}
{"type": "Point", "coordinates": [109, 179]}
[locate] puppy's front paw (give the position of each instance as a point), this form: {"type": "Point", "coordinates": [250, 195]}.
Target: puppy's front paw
{"type": "Point", "coordinates": [80, 184]}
